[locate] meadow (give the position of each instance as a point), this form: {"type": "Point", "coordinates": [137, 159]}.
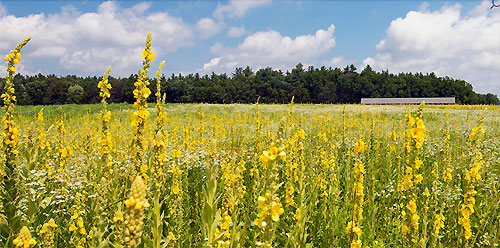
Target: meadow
{"type": "Point", "coordinates": [210, 179]}
{"type": "Point", "coordinates": [200, 175]}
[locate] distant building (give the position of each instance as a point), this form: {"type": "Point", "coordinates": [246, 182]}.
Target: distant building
{"type": "Point", "coordinates": [403, 101]}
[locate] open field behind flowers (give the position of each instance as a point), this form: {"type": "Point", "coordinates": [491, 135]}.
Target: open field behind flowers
{"type": "Point", "coordinates": [174, 175]}
{"type": "Point", "coordinates": [212, 183]}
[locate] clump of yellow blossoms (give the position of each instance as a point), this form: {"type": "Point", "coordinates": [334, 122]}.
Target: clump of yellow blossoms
{"type": "Point", "coordinates": [415, 136]}
{"type": "Point", "coordinates": [105, 142]}
{"type": "Point", "coordinates": [272, 154]}
{"type": "Point", "coordinates": [159, 149]}
{"type": "Point", "coordinates": [471, 177]}
{"type": "Point", "coordinates": [353, 227]}
{"type": "Point", "coordinates": [78, 228]}
{"type": "Point", "coordinates": [270, 209]}
{"type": "Point", "coordinates": [139, 117]}
{"type": "Point", "coordinates": [10, 133]}
{"type": "Point", "coordinates": [9, 194]}
{"type": "Point", "coordinates": [136, 203]}
{"type": "Point", "coordinates": [24, 239]}
{"type": "Point", "coordinates": [47, 232]}
{"type": "Point", "coordinates": [438, 223]}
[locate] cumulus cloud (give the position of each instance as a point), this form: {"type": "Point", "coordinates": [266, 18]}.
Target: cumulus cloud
{"type": "Point", "coordinates": [86, 43]}
{"type": "Point", "coordinates": [234, 32]}
{"type": "Point", "coordinates": [213, 62]}
{"type": "Point", "coordinates": [237, 8]}
{"type": "Point", "coordinates": [270, 48]}
{"type": "Point", "coordinates": [339, 62]}
{"type": "Point", "coordinates": [448, 42]}
{"type": "Point", "coordinates": [207, 27]}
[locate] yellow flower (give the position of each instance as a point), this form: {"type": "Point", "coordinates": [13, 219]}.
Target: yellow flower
{"type": "Point", "coordinates": [80, 223]}
{"type": "Point", "coordinates": [276, 211]}
{"type": "Point", "coordinates": [171, 236]}
{"type": "Point", "coordinates": [52, 223]}
{"type": "Point", "coordinates": [72, 228]}
{"type": "Point", "coordinates": [176, 154]}
{"type": "Point", "coordinates": [412, 206]}
{"type": "Point", "coordinates": [415, 219]}
{"type": "Point", "coordinates": [261, 201]}
{"type": "Point", "coordinates": [151, 56]}
{"type": "Point", "coordinates": [418, 163]}
{"type": "Point", "coordinates": [359, 146]}
{"type": "Point", "coordinates": [349, 227]}
{"type": "Point", "coordinates": [264, 158]}
{"type": "Point", "coordinates": [407, 182]}
{"type": "Point", "coordinates": [45, 229]}
{"type": "Point", "coordinates": [356, 244]}
{"type": "Point", "coordinates": [418, 178]}
{"type": "Point", "coordinates": [301, 134]}
{"type": "Point", "coordinates": [118, 217]}
{"type": "Point", "coordinates": [282, 155]}
{"type": "Point", "coordinates": [273, 153]}
{"type": "Point", "coordinates": [24, 239]}
{"type": "Point", "coordinates": [426, 193]}
{"type": "Point", "coordinates": [175, 190]}
{"type": "Point", "coordinates": [130, 202]}
{"type": "Point", "coordinates": [420, 124]}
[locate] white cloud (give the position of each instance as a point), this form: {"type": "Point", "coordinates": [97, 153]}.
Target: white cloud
{"type": "Point", "coordinates": [270, 48]}
{"type": "Point", "coordinates": [447, 42]}
{"type": "Point", "coordinates": [86, 43]}
{"type": "Point", "coordinates": [213, 62]}
{"type": "Point", "coordinates": [339, 62]}
{"type": "Point", "coordinates": [234, 32]}
{"type": "Point", "coordinates": [237, 8]}
{"type": "Point", "coordinates": [207, 27]}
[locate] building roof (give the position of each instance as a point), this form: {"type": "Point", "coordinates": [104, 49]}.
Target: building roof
{"type": "Point", "coordinates": [414, 100]}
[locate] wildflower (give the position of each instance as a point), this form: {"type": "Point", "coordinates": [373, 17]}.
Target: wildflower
{"type": "Point", "coordinates": [359, 147]}
{"type": "Point", "coordinates": [171, 236]}
{"type": "Point", "coordinates": [412, 206]}
{"type": "Point", "coordinates": [175, 190]}
{"type": "Point", "coordinates": [136, 203]}
{"type": "Point", "coordinates": [176, 154]}
{"type": "Point", "coordinates": [24, 239]}
{"type": "Point", "coordinates": [276, 211]}
{"type": "Point", "coordinates": [118, 218]}
{"type": "Point", "coordinates": [139, 117]}
{"type": "Point", "coordinates": [438, 223]}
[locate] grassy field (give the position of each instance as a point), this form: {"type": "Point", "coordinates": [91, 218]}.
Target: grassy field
{"type": "Point", "coordinates": [257, 175]}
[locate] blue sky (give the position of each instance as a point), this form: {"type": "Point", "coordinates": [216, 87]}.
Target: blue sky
{"type": "Point", "coordinates": [460, 39]}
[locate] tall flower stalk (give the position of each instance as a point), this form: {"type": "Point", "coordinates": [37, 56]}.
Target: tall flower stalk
{"type": "Point", "coordinates": [105, 142]}
{"type": "Point", "coordinates": [415, 136]}
{"type": "Point", "coordinates": [354, 226]}
{"type": "Point", "coordinates": [159, 146]}
{"type": "Point", "coordinates": [472, 175]}
{"type": "Point", "coordinates": [10, 138]}
{"type": "Point", "coordinates": [141, 94]}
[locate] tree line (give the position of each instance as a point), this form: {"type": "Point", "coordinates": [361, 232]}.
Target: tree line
{"type": "Point", "coordinates": [308, 85]}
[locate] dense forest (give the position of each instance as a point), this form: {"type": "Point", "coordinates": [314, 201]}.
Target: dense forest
{"type": "Point", "coordinates": [308, 85]}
